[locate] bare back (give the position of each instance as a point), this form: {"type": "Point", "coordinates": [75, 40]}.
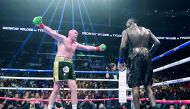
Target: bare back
{"type": "Point", "coordinates": [138, 37]}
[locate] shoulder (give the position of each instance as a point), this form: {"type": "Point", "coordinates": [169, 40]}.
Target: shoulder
{"type": "Point", "coordinates": [77, 44]}
{"type": "Point", "coordinates": [125, 31]}
{"type": "Point", "coordinates": [146, 29]}
{"type": "Point", "coordinates": [63, 40]}
{"type": "Point", "coordinates": [143, 28]}
{"type": "Point", "coordinates": [150, 32]}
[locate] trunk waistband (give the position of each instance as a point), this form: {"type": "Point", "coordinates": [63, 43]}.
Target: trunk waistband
{"type": "Point", "coordinates": [60, 58]}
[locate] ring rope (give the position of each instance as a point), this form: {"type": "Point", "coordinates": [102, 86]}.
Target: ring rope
{"type": "Point", "coordinates": [156, 58]}
{"type": "Point", "coordinates": [34, 70]}
{"type": "Point", "coordinates": [128, 89]}
{"type": "Point", "coordinates": [172, 50]}
{"type": "Point", "coordinates": [103, 99]}
{"type": "Point", "coordinates": [21, 88]}
{"type": "Point", "coordinates": [182, 61]}
{"type": "Point", "coordinates": [42, 78]}
{"type": "Point", "coordinates": [172, 64]}
{"type": "Point", "coordinates": [172, 81]}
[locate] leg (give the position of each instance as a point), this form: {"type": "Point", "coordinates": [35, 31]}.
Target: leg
{"type": "Point", "coordinates": [151, 96]}
{"type": "Point", "coordinates": [136, 97]}
{"type": "Point", "coordinates": [132, 103]}
{"type": "Point", "coordinates": [73, 87]}
{"type": "Point", "coordinates": [108, 103]}
{"type": "Point", "coordinates": [147, 81]}
{"type": "Point", "coordinates": [54, 93]}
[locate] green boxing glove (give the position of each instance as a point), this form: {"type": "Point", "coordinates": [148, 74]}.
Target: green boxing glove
{"type": "Point", "coordinates": [102, 47]}
{"type": "Point", "coordinates": [38, 22]}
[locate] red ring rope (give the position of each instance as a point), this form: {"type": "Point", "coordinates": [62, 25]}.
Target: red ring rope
{"type": "Point", "coordinates": [104, 99]}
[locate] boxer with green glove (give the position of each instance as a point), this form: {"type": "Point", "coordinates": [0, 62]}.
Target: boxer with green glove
{"type": "Point", "coordinates": [63, 66]}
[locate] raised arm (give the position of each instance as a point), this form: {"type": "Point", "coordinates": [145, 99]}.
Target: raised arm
{"type": "Point", "coordinates": [123, 45]}
{"type": "Point", "coordinates": [38, 22]}
{"type": "Point", "coordinates": [53, 33]}
{"type": "Point", "coordinates": [155, 43]}
{"type": "Point", "coordinates": [102, 47]}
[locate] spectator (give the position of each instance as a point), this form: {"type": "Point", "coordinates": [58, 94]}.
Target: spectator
{"type": "Point", "coordinates": [86, 104]}
{"type": "Point", "coordinates": [111, 94]}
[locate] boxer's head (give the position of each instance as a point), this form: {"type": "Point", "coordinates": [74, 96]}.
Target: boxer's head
{"type": "Point", "coordinates": [130, 22]}
{"type": "Point", "coordinates": [73, 34]}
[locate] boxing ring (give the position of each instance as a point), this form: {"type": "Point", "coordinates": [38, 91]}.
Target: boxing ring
{"type": "Point", "coordinates": [169, 82]}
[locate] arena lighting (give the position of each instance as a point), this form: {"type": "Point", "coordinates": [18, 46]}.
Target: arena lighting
{"type": "Point", "coordinates": [83, 27]}
{"type": "Point", "coordinates": [52, 17]}
{"type": "Point", "coordinates": [81, 17]}
{"type": "Point", "coordinates": [91, 25]}
{"type": "Point", "coordinates": [59, 27]}
{"type": "Point", "coordinates": [27, 38]}
{"type": "Point", "coordinates": [73, 16]}
{"type": "Point", "coordinates": [87, 14]}
{"type": "Point", "coordinates": [62, 14]}
{"type": "Point", "coordinates": [44, 35]}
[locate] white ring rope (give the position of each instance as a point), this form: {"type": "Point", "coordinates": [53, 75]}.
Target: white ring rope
{"type": "Point", "coordinates": [172, 64]}
{"type": "Point", "coordinates": [28, 78]}
{"type": "Point", "coordinates": [155, 70]}
{"type": "Point", "coordinates": [21, 88]}
{"type": "Point", "coordinates": [41, 78]}
{"type": "Point", "coordinates": [128, 89]}
{"type": "Point", "coordinates": [80, 79]}
{"type": "Point", "coordinates": [172, 81]}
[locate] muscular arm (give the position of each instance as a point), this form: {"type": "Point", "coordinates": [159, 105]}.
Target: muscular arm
{"type": "Point", "coordinates": [123, 46]}
{"type": "Point", "coordinates": [86, 47]}
{"type": "Point", "coordinates": [53, 33]}
{"type": "Point", "coordinates": [155, 43]}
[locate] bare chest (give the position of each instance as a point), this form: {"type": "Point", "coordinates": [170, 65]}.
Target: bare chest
{"type": "Point", "coordinates": [68, 47]}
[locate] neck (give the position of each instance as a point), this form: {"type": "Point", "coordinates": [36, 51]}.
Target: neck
{"type": "Point", "coordinates": [71, 40]}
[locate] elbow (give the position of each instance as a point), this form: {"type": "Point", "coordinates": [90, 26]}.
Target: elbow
{"type": "Point", "coordinates": [157, 43]}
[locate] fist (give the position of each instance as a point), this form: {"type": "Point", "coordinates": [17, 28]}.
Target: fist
{"type": "Point", "coordinates": [37, 20]}
{"type": "Point", "coordinates": [102, 47]}
{"type": "Point", "coordinates": [121, 67]}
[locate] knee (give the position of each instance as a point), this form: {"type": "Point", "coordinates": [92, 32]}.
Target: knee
{"type": "Point", "coordinates": [135, 90]}
{"type": "Point", "coordinates": [55, 90]}
{"type": "Point", "coordinates": [136, 93]}
{"type": "Point", "coordinates": [148, 89]}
